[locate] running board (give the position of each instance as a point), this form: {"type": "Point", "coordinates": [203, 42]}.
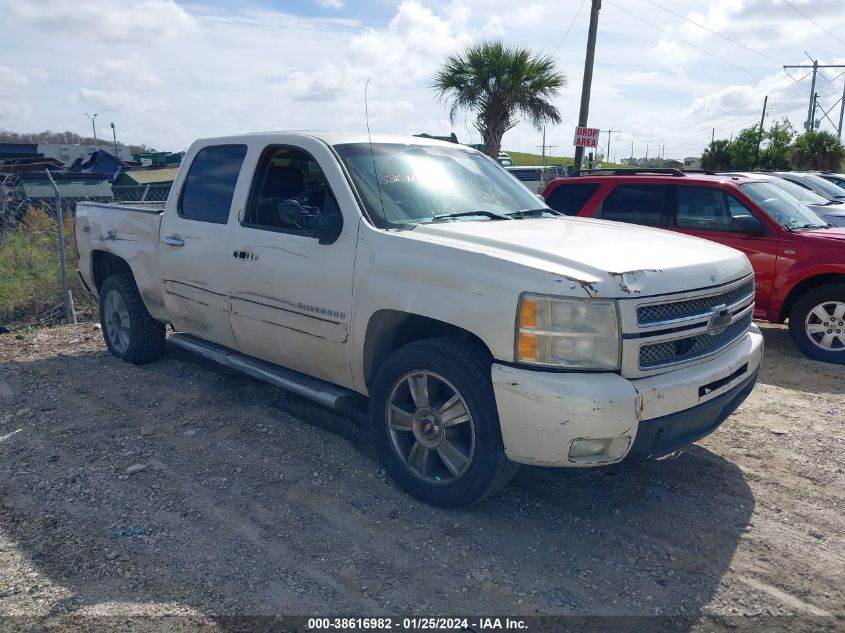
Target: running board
{"type": "Point", "coordinates": [319, 391]}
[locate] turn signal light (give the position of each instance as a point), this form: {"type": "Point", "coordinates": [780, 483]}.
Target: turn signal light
{"type": "Point", "coordinates": [528, 347]}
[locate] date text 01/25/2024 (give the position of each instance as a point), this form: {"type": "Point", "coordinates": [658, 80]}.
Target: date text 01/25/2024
{"type": "Point", "coordinates": [415, 624]}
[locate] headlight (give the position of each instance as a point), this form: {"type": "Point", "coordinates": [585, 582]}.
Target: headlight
{"type": "Point", "coordinates": [576, 333]}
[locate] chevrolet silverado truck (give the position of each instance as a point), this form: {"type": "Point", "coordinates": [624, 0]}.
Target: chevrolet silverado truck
{"type": "Point", "coordinates": [485, 329]}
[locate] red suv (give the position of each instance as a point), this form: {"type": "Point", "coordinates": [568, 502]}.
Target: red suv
{"type": "Point", "coordinates": [798, 258]}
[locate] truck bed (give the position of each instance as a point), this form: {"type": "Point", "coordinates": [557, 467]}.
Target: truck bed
{"type": "Point", "coordinates": [128, 231]}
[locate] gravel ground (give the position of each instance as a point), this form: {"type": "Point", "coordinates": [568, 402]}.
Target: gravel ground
{"type": "Point", "coordinates": [184, 488]}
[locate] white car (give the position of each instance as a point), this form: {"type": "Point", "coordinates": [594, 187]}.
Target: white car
{"type": "Point", "coordinates": [536, 178]}
{"type": "Point", "coordinates": [485, 329]}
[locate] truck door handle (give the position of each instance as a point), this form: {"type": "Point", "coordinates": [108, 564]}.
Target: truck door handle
{"type": "Point", "coordinates": [173, 240]}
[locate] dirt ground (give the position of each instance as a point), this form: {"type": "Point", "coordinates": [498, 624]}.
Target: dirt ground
{"type": "Point", "coordinates": [251, 501]}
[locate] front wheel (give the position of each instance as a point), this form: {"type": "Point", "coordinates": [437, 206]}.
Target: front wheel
{"type": "Point", "coordinates": [435, 419]}
{"type": "Point", "coordinates": [129, 330]}
{"type": "Point", "coordinates": [817, 323]}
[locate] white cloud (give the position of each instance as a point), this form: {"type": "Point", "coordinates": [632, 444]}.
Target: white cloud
{"type": "Point", "coordinates": [168, 72]}
{"type": "Point", "coordinates": [10, 79]}
{"type": "Point", "coordinates": [133, 70]}
{"type": "Point", "coordinates": [331, 4]}
{"type": "Point", "coordinates": [129, 20]}
{"type": "Point", "coordinates": [118, 101]}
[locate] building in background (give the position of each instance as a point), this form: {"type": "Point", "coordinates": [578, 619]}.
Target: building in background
{"type": "Point", "coordinates": [692, 162]}
{"type": "Point", "coordinates": [145, 183]}
{"type": "Point", "coordinates": [69, 153]}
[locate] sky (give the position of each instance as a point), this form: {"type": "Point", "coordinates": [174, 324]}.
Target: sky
{"type": "Point", "coordinates": [164, 72]}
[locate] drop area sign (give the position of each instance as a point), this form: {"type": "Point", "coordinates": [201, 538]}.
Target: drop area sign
{"type": "Point", "coordinates": [586, 137]}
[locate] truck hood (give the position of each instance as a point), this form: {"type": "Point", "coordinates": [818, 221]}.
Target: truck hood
{"type": "Point", "coordinates": [837, 233]}
{"type": "Point", "coordinates": [607, 259]}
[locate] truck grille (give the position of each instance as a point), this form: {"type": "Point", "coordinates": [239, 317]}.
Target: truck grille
{"type": "Point", "coordinates": [684, 349]}
{"type": "Point", "coordinates": [649, 315]}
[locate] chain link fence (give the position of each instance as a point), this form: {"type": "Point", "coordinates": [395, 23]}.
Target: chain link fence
{"type": "Point", "coordinates": [30, 272]}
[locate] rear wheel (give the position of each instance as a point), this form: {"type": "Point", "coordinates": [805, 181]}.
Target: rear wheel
{"type": "Point", "coordinates": [435, 419]}
{"type": "Point", "coordinates": [129, 330]}
{"type": "Point", "coordinates": [817, 323]}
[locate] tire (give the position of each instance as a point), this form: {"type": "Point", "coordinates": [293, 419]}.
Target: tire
{"type": "Point", "coordinates": [142, 339]}
{"type": "Point", "coordinates": [817, 323]}
{"type": "Point", "coordinates": [453, 372]}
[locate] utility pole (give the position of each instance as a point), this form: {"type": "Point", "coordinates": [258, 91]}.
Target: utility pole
{"type": "Point", "coordinates": [588, 77]}
{"type": "Point", "coordinates": [663, 152]}
{"type": "Point", "coordinates": [760, 133]}
{"type": "Point", "coordinates": [713, 136]}
{"type": "Point", "coordinates": [93, 126]}
{"type": "Point", "coordinates": [841, 112]}
{"type": "Point", "coordinates": [609, 132]}
{"type": "Point", "coordinates": [114, 137]}
{"type": "Point", "coordinates": [544, 146]}
{"type": "Point", "coordinates": [646, 155]}
{"type": "Point", "coordinates": [811, 110]}
{"type": "Point", "coordinates": [632, 152]}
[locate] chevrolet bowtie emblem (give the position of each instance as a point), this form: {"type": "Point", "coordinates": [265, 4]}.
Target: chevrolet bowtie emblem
{"type": "Point", "coordinates": [719, 320]}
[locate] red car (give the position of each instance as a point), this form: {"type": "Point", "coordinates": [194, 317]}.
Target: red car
{"type": "Point", "coordinates": [798, 258]}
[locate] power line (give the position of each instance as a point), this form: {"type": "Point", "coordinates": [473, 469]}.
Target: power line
{"type": "Point", "coordinates": [575, 17]}
{"type": "Point", "coordinates": [800, 12]}
{"type": "Point", "coordinates": [716, 33]}
{"type": "Point", "coordinates": [687, 42]}
{"type": "Point", "coordinates": [690, 44]}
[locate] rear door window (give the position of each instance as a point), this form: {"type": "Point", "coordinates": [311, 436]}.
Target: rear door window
{"type": "Point", "coordinates": [210, 185]}
{"type": "Point", "coordinates": [570, 198]}
{"type": "Point", "coordinates": [702, 208]}
{"type": "Point", "coordinates": [637, 204]}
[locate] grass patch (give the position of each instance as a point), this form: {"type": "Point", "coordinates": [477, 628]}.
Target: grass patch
{"type": "Point", "coordinates": [525, 158]}
{"type": "Point", "coordinates": [30, 283]}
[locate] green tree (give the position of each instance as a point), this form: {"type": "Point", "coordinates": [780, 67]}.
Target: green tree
{"type": "Point", "coordinates": [817, 150]}
{"type": "Point", "coordinates": [777, 141]}
{"type": "Point", "coordinates": [717, 155]}
{"type": "Point", "coordinates": [500, 85]}
{"type": "Point", "coordinates": [743, 148]}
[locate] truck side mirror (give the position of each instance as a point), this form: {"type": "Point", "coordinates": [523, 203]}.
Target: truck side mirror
{"type": "Point", "coordinates": [329, 227]}
{"type": "Point", "coordinates": [747, 225]}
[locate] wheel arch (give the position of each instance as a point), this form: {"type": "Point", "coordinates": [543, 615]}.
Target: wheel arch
{"type": "Point", "coordinates": [104, 264]}
{"type": "Point", "coordinates": [388, 330]}
{"type": "Point", "coordinates": [805, 285]}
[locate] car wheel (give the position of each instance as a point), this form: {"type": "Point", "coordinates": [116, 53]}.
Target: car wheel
{"type": "Point", "coordinates": [130, 332]}
{"type": "Point", "coordinates": [817, 323]}
{"type": "Point", "coordinates": [434, 415]}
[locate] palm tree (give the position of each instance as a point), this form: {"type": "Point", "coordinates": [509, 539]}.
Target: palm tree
{"type": "Point", "coordinates": [501, 85]}
{"type": "Point", "coordinates": [717, 155]}
{"type": "Point", "coordinates": [817, 150]}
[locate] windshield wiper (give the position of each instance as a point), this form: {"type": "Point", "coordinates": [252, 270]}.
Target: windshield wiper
{"type": "Point", "coordinates": [531, 213]}
{"type": "Point", "coordinates": [812, 226]}
{"type": "Point", "coordinates": [466, 214]}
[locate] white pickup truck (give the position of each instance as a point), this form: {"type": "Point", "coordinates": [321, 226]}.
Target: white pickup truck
{"type": "Point", "coordinates": [485, 329]}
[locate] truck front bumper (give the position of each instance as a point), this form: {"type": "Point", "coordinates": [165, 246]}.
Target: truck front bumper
{"type": "Point", "coordinates": [592, 419]}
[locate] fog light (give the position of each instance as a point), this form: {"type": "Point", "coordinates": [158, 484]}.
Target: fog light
{"type": "Point", "coordinates": [599, 450]}
{"type": "Point", "coordinates": [588, 448]}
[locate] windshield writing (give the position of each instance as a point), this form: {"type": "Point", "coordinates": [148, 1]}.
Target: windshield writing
{"type": "Point", "coordinates": [404, 185]}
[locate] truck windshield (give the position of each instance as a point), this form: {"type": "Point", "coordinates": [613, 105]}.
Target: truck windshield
{"type": "Point", "coordinates": [798, 192]}
{"type": "Point", "coordinates": [790, 212]}
{"type": "Point", "coordinates": [405, 185]}
{"type": "Point", "coordinates": [825, 186]}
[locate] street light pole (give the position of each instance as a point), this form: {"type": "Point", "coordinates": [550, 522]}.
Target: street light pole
{"type": "Point", "coordinates": [114, 137]}
{"type": "Point", "coordinates": [93, 127]}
